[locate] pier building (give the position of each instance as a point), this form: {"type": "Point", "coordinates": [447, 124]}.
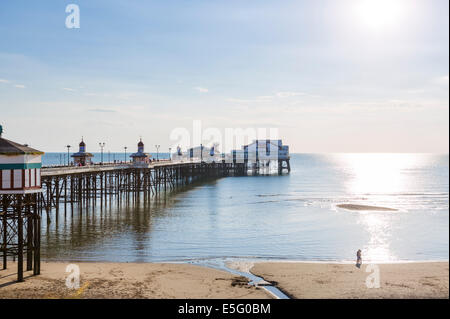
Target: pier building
{"type": "Point", "coordinates": [20, 190]}
{"type": "Point", "coordinates": [82, 158]}
{"type": "Point", "coordinates": [261, 156]}
{"type": "Point", "coordinates": [140, 156]}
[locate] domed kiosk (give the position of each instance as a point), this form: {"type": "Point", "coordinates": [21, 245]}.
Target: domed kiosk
{"type": "Point", "coordinates": [140, 157]}
{"type": "Point", "coordinates": [82, 158]}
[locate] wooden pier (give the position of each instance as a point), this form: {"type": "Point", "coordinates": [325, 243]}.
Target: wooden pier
{"type": "Point", "coordinates": [28, 189]}
{"type": "Point", "coordinates": [101, 184]}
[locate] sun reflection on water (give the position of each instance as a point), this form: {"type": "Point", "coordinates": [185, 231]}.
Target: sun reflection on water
{"type": "Point", "coordinates": [378, 173]}
{"type": "Point", "coordinates": [379, 228]}
{"type": "Point", "coordinates": [380, 179]}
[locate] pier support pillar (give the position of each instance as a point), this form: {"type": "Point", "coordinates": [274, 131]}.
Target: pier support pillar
{"type": "Point", "coordinates": [20, 231]}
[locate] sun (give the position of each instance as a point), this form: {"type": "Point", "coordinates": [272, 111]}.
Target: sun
{"type": "Point", "coordinates": [379, 14]}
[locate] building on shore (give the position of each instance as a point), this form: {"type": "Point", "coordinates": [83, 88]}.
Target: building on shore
{"type": "Point", "coordinates": [140, 157]}
{"type": "Point", "coordinates": [82, 158]}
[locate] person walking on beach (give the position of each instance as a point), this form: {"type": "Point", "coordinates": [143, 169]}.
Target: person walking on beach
{"type": "Point", "coordinates": [358, 258]}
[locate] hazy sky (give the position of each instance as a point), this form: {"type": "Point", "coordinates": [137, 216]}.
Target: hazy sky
{"type": "Point", "coordinates": [332, 76]}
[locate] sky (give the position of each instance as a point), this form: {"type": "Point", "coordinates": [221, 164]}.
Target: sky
{"type": "Point", "coordinates": [331, 76]}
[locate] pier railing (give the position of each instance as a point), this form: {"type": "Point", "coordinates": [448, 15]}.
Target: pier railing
{"type": "Point", "coordinates": [103, 167]}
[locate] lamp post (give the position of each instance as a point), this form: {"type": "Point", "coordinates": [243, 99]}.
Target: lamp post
{"type": "Point", "coordinates": [102, 145]}
{"type": "Point", "coordinates": [157, 152]}
{"type": "Point", "coordinates": [125, 148]}
{"type": "Point", "coordinates": [68, 157]}
{"type": "Point", "coordinates": [109, 157]}
{"type": "Point", "coordinates": [201, 153]}
{"type": "Point", "coordinates": [170, 153]}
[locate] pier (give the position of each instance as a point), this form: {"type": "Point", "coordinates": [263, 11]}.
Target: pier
{"type": "Point", "coordinates": [100, 184]}
{"type": "Point", "coordinates": [28, 190]}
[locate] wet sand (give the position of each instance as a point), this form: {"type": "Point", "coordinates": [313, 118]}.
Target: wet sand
{"type": "Point", "coordinates": [327, 280]}
{"type": "Point", "coordinates": [129, 280]}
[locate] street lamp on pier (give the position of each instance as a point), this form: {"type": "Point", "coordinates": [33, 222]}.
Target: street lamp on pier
{"type": "Point", "coordinates": [157, 152]}
{"type": "Point", "coordinates": [125, 148]}
{"type": "Point", "coordinates": [102, 145]}
{"type": "Point", "coordinates": [170, 153]}
{"type": "Point", "coordinates": [68, 157]}
{"type": "Point", "coordinates": [201, 153]}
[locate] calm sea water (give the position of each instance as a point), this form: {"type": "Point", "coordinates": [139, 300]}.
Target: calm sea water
{"type": "Point", "coordinates": [275, 217]}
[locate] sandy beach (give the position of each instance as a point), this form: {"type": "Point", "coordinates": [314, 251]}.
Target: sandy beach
{"type": "Point", "coordinates": [327, 280]}
{"type": "Point", "coordinates": [129, 280]}
{"type": "Point", "coordinates": [296, 279]}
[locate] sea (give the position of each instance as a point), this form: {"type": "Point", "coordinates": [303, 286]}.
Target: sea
{"type": "Point", "coordinates": [289, 217]}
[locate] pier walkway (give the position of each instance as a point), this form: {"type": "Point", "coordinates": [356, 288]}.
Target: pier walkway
{"type": "Point", "coordinates": [68, 170]}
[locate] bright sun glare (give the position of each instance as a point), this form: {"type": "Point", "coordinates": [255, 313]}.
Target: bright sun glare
{"type": "Point", "coordinates": [380, 14]}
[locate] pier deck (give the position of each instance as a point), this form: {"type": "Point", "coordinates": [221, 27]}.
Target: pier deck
{"type": "Point", "coordinates": [68, 170]}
